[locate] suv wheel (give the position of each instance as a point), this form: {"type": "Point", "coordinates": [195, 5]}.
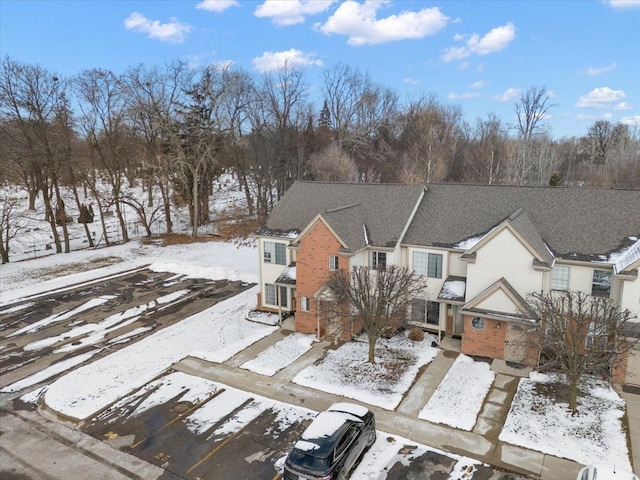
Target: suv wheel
{"type": "Point", "coordinates": [371, 437]}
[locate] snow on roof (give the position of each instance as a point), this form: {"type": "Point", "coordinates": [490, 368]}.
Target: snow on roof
{"type": "Point", "coordinates": [453, 289]}
{"type": "Point", "coordinates": [305, 446]}
{"type": "Point", "coordinates": [324, 425]}
{"type": "Point", "coordinates": [288, 275]}
{"type": "Point", "coordinates": [626, 256]}
{"type": "Point", "coordinates": [469, 243]}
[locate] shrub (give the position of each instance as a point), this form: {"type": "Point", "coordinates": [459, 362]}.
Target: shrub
{"type": "Point", "coordinates": [416, 335]}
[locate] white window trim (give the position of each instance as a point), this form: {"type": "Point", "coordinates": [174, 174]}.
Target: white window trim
{"type": "Point", "coordinates": [334, 262]}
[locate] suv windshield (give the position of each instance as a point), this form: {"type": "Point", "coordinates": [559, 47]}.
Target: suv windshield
{"type": "Point", "coordinates": [306, 461]}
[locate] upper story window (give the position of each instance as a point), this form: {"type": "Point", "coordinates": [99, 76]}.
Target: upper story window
{"type": "Point", "coordinates": [601, 284]}
{"type": "Point", "coordinates": [420, 263]}
{"type": "Point", "coordinates": [427, 264]}
{"type": "Point", "coordinates": [560, 277]}
{"type": "Point", "coordinates": [378, 260]}
{"type": "Point", "coordinates": [333, 262]}
{"type": "Point", "coordinates": [434, 269]}
{"type": "Point", "coordinates": [275, 253]}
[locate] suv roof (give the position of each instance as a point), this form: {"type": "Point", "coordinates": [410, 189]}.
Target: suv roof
{"type": "Point", "coordinates": [320, 436]}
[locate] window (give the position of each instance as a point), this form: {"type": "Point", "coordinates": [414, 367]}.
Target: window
{"type": "Point", "coordinates": [420, 263]}
{"type": "Point", "coordinates": [433, 313]}
{"type": "Point", "coordinates": [435, 265]}
{"type": "Point", "coordinates": [423, 311]}
{"type": "Point", "coordinates": [304, 304]}
{"type": "Point", "coordinates": [270, 294]}
{"type": "Point", "coordinates": [596, 336]}
{"type": "Point", "coordinates": [333, 262]}
{"type": "Point", "coordinates": [283, 297]}
{"type": "Point", "coordinates": [478, 323]}
{"type": "Point", "coordinates": [275, 253]}
{"type": "Point", "coordinates": [378, 260]}
{"type": "Point", "coordinates": [560, 277]}
{"type": "Point", "coordinates": [601, 283]}
{"type": "Point", "coordinates": [418, 310]}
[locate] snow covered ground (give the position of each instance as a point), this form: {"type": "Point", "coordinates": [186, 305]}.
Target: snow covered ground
{"type": "Point", "coordinates": [282, 354]}
{"type": "Point", "coordinates": [459, 397]}
{"type": "Point", "coordinates": [345, 371]}
{"type": "Point", "coordinates": [216, 334]}
{"type": "Point", "coordinates": [595, 434]}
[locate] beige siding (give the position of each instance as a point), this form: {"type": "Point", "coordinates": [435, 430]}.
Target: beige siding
{"type": "Point", "coordinates": [269, 272]}
{"type": "Point", "coordinates": [630, 297]}
{"type": "Point", "coordinates": [456, 266]}
{"type": "Point", "coordinates": [434, 285]}
{"type": "Point", "coordinates": [498, 301]}
{"type": "Point", "coordinates": [503, 256]}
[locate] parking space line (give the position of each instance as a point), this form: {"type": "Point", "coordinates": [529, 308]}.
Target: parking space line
{"type": "Point", "coordinates": [218, 447]}
{"type": "Point", "coordinates": [179, 416]}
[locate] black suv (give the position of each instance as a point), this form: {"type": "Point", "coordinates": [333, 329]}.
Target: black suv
{"type": "Point", "coordinates": [332, 444]}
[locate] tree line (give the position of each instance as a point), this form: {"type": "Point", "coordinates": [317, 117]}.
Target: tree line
{"type": "Point", "coordinates": [173, 129]}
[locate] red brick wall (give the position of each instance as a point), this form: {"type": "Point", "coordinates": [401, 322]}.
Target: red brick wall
{"type": "Point", "coordinates": [485, 343]}
{"type": "Point", "coordinates": [312, 271]}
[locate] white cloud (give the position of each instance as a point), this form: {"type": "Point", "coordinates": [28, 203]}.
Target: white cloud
{"type": "Point", "coordinates": [270, 61]}
{"type": "Point", "coordinates": [479, 84]}
{"type": "Point", "coordinates": [411, 81]}
{"type": "Point", "coordinates": [633, 120]}
{"type": "Point", "coordinates": [217, 6]}
{"type": "Point", "coordinates": [358, 21]}
{"type": "Point", "coordinates": [622, 4]}
{"type": "Point", "coordinates": [508, 95]}
{"type": "Point", "coordinates": [463, 96]}
{"type": "Point", "coordinates": [623, 106]}
{"type": "Point", "coordinates": [494, 41]}
{"type": "Point", "coordinates": [600, 98]}
{"type": "Point", "coordinates": [594, 71]}
{"type": "Point", "coordinates": [290, 12]}
{"type": "Point", "coordinates": [172, 32]}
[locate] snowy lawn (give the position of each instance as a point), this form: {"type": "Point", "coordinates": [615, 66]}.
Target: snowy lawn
{"type": "Point", "coordinates": [280, 355]}
{"type": "Point", "coordinates": [216, 334]}
{"type": "Point", "coordinates": [540, 421]}
{"type": "Point", "coordinates": [346, 372]}
{"type": "Point", "coordinates": [458, 399]}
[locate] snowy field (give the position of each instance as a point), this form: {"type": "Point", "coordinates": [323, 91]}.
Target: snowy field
{"type": "Point", "coordinates": [282, 354]}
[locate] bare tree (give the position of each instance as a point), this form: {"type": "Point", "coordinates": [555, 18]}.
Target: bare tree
{"type": "Point", "coordinates": [375, 298]}
{"type": "Point", "coordinates": [580, 335]}
{"type": "Point", "coordinates": [12, 222]}
{"type": "Point", "coordinates": [30, 97]}
{"type": "Point", "coordinates": [332, 165]}
{"type": "Point", "coordinates": [107, 129]}
{"type": "Point", "coordinates": [488, 151]}
{"type": "Point", "coordinates": [531, 111]}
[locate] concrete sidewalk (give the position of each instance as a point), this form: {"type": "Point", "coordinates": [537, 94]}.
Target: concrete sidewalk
{"type": "Point", "coordinates": [481, 443]}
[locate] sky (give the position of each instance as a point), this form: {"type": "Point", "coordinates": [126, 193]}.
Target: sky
{"type": "Point", "coordinates": [479, 55]}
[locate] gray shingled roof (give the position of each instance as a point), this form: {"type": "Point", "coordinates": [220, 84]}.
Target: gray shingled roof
{"type": "Point", "coordinates": [575, 222]}
{"type": "Point", "coordinates": [384, 209]}
{"type": "Point", "coordinates": [521, 221]}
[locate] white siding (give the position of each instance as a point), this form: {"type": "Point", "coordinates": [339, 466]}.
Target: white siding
{"type": "Point", "coordinates": [498, 301]}
{"type": "Point", "coordinates": [456, 266]}
{"type": "Point", "coordinates": [630, 296]}
{"type": "Point", "coordinates": [503, 256]}
{"type": "Point", "coordinates": [434, 285]}
{"type": "Point", "coordinates": [581, 278]}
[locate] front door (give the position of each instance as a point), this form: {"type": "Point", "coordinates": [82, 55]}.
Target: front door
{"type": "Point", "coordinates": [515, 344]}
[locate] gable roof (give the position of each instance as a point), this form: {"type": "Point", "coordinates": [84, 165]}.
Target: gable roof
{"type": "Point", "coordinates": [520, 224]}
{"type": "Point", "coordinates": [576, 223]}
{"type": "Point", "coordinates": [521, 309]}
{"type": "Point", "coordinates": [360, 214]}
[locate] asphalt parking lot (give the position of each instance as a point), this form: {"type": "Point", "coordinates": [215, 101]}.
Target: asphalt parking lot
{"type": "Point", "coordinates": [97, 318]}
{"type": "Point", "coordinates": [221, 433]}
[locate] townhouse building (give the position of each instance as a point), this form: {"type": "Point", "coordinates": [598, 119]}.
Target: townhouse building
{"type": "Point", "coordinates": [483, 249]}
